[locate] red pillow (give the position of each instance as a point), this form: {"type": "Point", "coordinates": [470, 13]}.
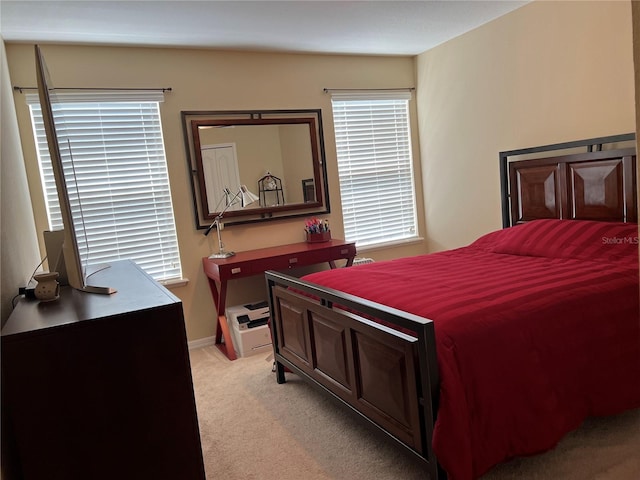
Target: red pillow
{"type": "Point", "coordinates": [580, 239]}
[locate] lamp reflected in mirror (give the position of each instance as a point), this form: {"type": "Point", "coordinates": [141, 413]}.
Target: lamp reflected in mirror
{"type": "Point", "coordinates": [247, 197]}
{"type": "Point", "coordinates": [243, 196]}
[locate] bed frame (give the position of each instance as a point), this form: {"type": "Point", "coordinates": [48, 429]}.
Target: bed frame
{"type": "Point", "coordinates": [389, 379]}
{"type": "Point", "coordinates": [595, 185]}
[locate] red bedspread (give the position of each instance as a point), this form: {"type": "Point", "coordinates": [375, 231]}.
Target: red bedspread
{"type": "Point", "coordinates": [537, 327]}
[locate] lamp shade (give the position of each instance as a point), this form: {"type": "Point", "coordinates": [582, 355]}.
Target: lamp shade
{"type": "Point", "coordinates": [247, 197]}
{"type": "Point", "coordinates": [230, 198]}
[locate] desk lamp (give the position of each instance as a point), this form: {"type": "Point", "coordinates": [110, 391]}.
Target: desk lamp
{"type": "Point", "coordinates": [246, 198]}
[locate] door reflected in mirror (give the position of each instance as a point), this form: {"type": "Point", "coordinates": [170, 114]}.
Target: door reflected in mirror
{"type": "Point", "coordinates": [278, 155]}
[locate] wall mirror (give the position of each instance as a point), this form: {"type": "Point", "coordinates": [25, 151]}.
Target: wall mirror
{"type": "Point", "coordinates": [277, 154]}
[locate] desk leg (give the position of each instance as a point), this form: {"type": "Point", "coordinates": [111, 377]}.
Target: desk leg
{"type": "Point", "coordinates": [227, 346]}
{"type": "Point", "coordinates": [222, 329]}
{"type": "Point", "coordinates": [332, 263]}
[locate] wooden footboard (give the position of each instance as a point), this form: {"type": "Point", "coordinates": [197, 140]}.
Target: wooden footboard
{"type": "Point", "coordinates": [387, 378]}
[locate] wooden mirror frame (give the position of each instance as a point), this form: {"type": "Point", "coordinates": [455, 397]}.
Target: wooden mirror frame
{"type": "Point", "coordinates": [192, 120]}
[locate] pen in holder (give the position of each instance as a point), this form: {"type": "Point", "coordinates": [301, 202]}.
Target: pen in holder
{"type": "Point", "coordinates": [317, 230]}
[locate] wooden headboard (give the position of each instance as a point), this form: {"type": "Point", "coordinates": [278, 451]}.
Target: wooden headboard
{"type": "Point", "coordinates": [599, 184]}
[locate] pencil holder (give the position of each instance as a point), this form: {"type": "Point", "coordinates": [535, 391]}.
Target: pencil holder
{"type": "Point", "coordinates": [319, 237]}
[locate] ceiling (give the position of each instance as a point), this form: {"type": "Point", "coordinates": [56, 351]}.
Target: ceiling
{"type": "Point", "coordinates": [340, 27]}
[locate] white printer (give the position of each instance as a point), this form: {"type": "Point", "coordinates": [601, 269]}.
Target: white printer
{"type": "Point", "coordinates": [250, 315]}
{"type": "Point", "coordinates": [249, 329]}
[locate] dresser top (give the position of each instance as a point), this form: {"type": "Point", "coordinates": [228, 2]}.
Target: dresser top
{"type": "Point", "coordinates": [136, 291]}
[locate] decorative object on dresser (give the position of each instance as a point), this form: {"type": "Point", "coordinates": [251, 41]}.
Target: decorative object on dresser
{"type": "Point", "coordinates": [100, 386]}
{"type": "Point", "coordinates": [255, 262]}
{"type": "Point", "coordinates": [48, 288]}
{"type": "Point", "coordinates": [477, 393]}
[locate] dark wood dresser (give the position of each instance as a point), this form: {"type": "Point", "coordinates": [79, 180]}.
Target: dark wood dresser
{"type": "Point", "coordinates": [99, 386]}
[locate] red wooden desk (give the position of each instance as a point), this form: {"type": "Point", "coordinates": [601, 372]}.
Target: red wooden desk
{"type": "Point", "coordinates": [255, 262]}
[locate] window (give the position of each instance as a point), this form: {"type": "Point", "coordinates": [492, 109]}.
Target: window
{"type": "Point", "coordinates": [114, 149]}
{"type": "Point", "coordinates": [375, 168]}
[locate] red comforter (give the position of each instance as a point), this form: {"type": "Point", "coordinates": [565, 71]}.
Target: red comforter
{"type": "Point", "coordinates": [537, 327]}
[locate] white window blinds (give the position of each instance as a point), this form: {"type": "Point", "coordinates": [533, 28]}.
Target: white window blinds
{"type": "Point", "coordinates": [113, 151]}
{"type": "Point", "coordinates": [373, 142]}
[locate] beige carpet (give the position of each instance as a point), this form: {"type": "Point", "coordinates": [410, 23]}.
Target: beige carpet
{"type": "Point", "coordinates": [253, 428]}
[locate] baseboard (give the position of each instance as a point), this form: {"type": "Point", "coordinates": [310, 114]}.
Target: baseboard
{"type": "Point", "coordinates": [201, 342]}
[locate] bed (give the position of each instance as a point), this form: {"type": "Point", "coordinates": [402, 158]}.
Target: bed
{"type": "Point", "coordinates": [472, 356]}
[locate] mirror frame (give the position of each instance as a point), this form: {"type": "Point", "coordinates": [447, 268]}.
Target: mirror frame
{"type": "Point", "coordinates": [192, 120]}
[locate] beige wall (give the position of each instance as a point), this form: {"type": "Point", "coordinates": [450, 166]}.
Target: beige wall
{"type": "Point", "coordinates": [548, 72]}
{"type": "Point", "coordinates": [212, 80]}
{"type": "Point", "coordinates": [18, 242]}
